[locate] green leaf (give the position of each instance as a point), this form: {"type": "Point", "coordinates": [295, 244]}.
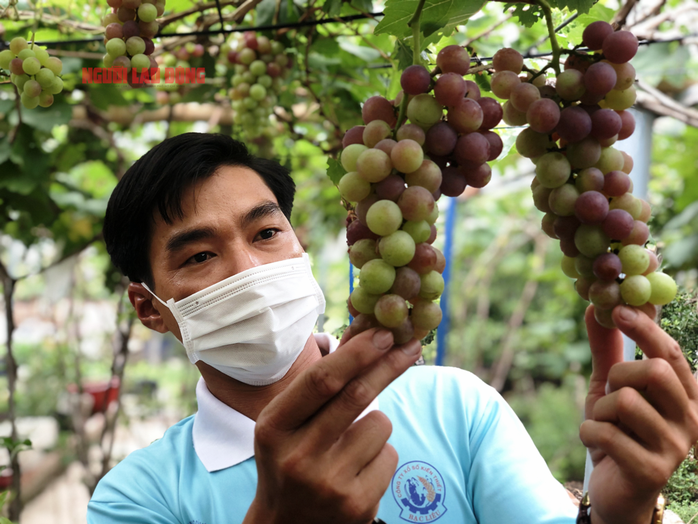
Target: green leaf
{"type": "Point", "coordinates": [105, 95]}
{"type": "Point", "coordinates": [403, 55]}
{"type": "Point", "coordinates": [483, 81]}
{"type": "Point", "coordinates": [335, 170]}
{"type": "Point", "coordinates": [527, 14]}
{"type": "Point", "coordinates": [45, 119]}
{"type": "Point", "coordinates": [438, 17]}
{"type": "Point", "coordinates": [581, 6]}
{"type": "Point", "coordinates": [367, 54]}
{"type": "Point", "coordinates": [332, 7]}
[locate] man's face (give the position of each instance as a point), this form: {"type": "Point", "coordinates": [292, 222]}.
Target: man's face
{"type": "Point", "coordinates": [232, 222]}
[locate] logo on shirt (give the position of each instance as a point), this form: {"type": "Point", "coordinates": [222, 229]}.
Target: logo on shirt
{"type": "Point", "coordinates": [419, 491]}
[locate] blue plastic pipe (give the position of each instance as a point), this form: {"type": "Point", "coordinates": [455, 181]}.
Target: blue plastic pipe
{"type": "Point", "coordinates": [443, 328]}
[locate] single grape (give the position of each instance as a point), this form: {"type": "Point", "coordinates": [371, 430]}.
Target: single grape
{"type": "Point", "coordinates": [31, 66]}
{"type": "Point", "coordinates": [362, 251]}
{"type": "Point", "coordinates": [466, 116]}
{"type": "Point", "coordinates": [17, 44]}
{"type": "Point", "coordinates": [432, 285]}
{"type": "Point", "coordinates": [635, 259]}
{"type": "Point", "coordinates": [604, 317]}
{"type": "Point", "coordinates": [523, 95]}
{"type": "Point", "coordinates": [374, 132]}
{"type": "Point", "coordinates": [406, 283]}
{"type": "Point", "coordinates": [362, 322]}
{"type": "Point", "coordinates": [591, 207]}
{"type": "Point", "coordinates": [616, 183]}
{"type": "Point", "coordinates": [353, 187]}
{"type": "Point", "coordinates": [478, 176]}
{"type": "Point", "coordinates": [472, 147]}
{"type": "Point", "coordinates": [584, 266]}
{"type": "Point", "coordinates": [353, 136]}
{"type": "Point", "coordinates": [378, 108]}
{"type": "Point", "coordinates": [449, 89]}
{"type": "Point", "coordinates": [114, 31]}
{"type": "Point", "coordinates": [663, 288]}
{"type": "Point", "coordinates": [415, 203]}
{"type": "Point", "coordinates": [625, 74]}
{"type": "Point", "coordinates": [453, 182]}
{"type": "Point", "coordinates": [531, 144]}
{"type": "Point", "coordinates": [115, 48]}
{"type": "Point", "coordinates": [620, 100]}
{"type": "Point", "coordinates": [513, 116]}
{"type": "Point", "coordinates": [397, 249]}
{"type": "Point", "coordinates": [567, 265]}
{"type": "Point", "coordinates": [636, 290]}
{"type": "Point", "coordinates": [584, 154]}
{"type": "Point", "coordinates": [258, 68]}
{"type": "Point", "coordinates": [412, 132]}
{"type": "Point", "coordinates": [147, 12]}
{"type": "Point", "coordinates": [590, 179]}
{"type": "Point", "coordinates": [28, 101]}
{"type": "Point", "coordinates": [390, 188]}
{"type": "Point", "coordinates": [503, 82]}
{"type": "Point", "coordinates": [591, 240]}
{"type": "Point", "coordinates": [639, 234]}
{"type": "Point", "coordinates": [574, 125]}
{"type": "Point", "coordinates": [357, 231]}
{"type": "Point", "coordinates": [609, 160]}
{"type": "Point", "coordinates": [595, 33]}
{"type": "Point", "coordinates": [600, 78]}
{"type": "Point", "coordinates": [605, 294]}
{"type": "Point", "coordinates": [377, 276]}
{"type": "Point", "coordinates": [140, 62]}
{"type": "Point", "coordinates": [553, 170]}
{"type": "Point", "coordinates": [472, 90]}
{"type": "Point", "coordinates": [424, 111]}
{"type": "Point", "coordinates": [384, 217]}
{"type": "Point", "coordinates": [620, 47]}
{"type": "Point", "coordinates": [627, 125]}
{"type": "Point", "coordinates": [453, 59]}
{"type": "Point", "coordinates": [404, 332]}
{"type": "Point", "coordinates": [607, 266]}
{"type": "Point", "coordinates": [426, 315]}
{"type": "Point", "coordinates": [415, 80]}
{"type": "Point", "coordinates": [507, 59]}
{"type": "Point", "coordinates": [386, 145]}
{"type": "Point", "coordinates": [350, 155]}
{"type": "Point", "coordinates": [391, 310]}
{"type": "Point", "coordinates": [56, 86]}
{"type": "Point", "coordinates": [363, 301]}
{"type": "Point", "coordinates": [496, 144]}
{"type": "Point", "coordinates": [563, 200]}
{"type": "Point", "coordinates": [424, 259]}
{"type": "Point", "coordinates": [569, 85]}
{"type": "Point", "coordinates": [440, 139]}
{"type": "Point", "coordinates": [546, 224]}
{"type": "Point", "coordinates": [629, 203]}
{"type": "Point", "coordinates": [6, 57]}
{"type": "Point", "coordinates": [418, 230]}
{"type": "Point", "coordinates": [428, 176]}
{"type": "Point", "coordinates": [491, 112]}
{"type": "Point", "coordinates": [566, 227]}
{"type": "Point", "coordinates": [543, 115]}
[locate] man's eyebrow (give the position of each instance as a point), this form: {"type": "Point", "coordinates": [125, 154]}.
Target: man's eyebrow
{"type": "Point", "coordinates": [181, 239]}
{"type": "Point", "coordinates": [263, 210]}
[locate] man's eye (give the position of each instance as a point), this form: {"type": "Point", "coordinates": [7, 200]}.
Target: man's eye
{"type": "Point", "coordinates": [266, 234]}
{"type": "Point", "coordinates": [200, 257]}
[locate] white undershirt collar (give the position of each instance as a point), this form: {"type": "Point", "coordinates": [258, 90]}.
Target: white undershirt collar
{"type": "Point", "coordinates": [224, 437]}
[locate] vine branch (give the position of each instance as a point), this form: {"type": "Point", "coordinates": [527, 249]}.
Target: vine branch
{"type": "Point", "coordinates": [547, 12]}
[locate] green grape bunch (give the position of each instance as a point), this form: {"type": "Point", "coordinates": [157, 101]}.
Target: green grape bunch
{"type": "Point", "coordinates": [185, 56]}
{"type": "Point", "coordinates": [396, 171]}
{"type": "Point", "coordinates": [582, 182]}
{"type": "Point", "coordinates": [35, 74]}
{"type": "Point", "coordinates": [261, 66]}
{"type": "Point", "coordinates": [129, 30]}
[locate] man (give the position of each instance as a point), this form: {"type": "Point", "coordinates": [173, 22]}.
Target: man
{"type": "Point", "coordinates": [284, 434]}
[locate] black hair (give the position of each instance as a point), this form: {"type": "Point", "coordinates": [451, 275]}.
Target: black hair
{"type": "Point", "coordinates": [157, 183]}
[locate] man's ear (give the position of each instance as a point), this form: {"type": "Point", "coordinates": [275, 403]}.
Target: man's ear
{"type": "Point", "coordinates": [143, 302]}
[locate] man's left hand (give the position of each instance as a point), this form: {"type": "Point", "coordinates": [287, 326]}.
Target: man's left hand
{"type": "Point", "coordinates": [641, 417]}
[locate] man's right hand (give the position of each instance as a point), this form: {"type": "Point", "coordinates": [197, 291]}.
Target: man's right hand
{"type": "Point", "coordinates": [315, 464]}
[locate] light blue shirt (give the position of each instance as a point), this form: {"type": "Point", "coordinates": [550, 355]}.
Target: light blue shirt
{"type": "Point", "coordinates": [465, 458]}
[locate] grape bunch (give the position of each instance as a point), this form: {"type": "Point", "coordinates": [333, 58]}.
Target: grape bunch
{"type": "Point", "coordinates": [261, 65]}
{"type": "Point", "coordinates": [582, 183]}
{"type": "Point", "coordinates": [395, 174]}
{"type": "Point", "coordinates": [129, 30]}
{"type": "Point", "coordinates": [33, 72]}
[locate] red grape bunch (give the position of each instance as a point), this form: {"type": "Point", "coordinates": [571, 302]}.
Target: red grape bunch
{"type": "Point", "coordinates": [582, 183]}
{"type": "Point", "coordinates": [261, 66]}
{"type": "Point", "coordinates": [129, 30]}
{"type": "Point", "coordinates": [33, 72]}
{"type": "Point", "coordinates": [184, 56]}
{"type": "Point", "coordinates": [395, 174]}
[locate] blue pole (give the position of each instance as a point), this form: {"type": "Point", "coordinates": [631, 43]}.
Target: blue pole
{"type": "Point", "coordinates": [442, 330]}
{"type": "Point", "coordinates": [351, 286]}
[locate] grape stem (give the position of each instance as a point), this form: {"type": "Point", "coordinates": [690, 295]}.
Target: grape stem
{"type": "Point", "coordinates": [416, 50]}
{"type": "Point", "coordinates": [547, 12]}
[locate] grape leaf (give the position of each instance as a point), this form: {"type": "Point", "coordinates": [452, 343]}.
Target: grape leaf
{"type": "Point", "coordinates": [581, 6]}
{"type": "Point", "coordinates": [403, 55]}
{"type": "Point", "coordinates": [483, 82]}
{"type": "Point", "coordinates": [332, 7]}
{"type": "Point", "coordinates": [438, 16]}
{"type": "Point", "coordinates": [335, 170]}
{"type": "Point", "coordinates": [526, 13]}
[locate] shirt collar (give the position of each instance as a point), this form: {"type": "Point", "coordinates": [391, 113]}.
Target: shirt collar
{"type": "Point", "coordinates": [224, 437]}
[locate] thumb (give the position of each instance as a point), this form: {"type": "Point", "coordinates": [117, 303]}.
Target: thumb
{"type": "Point", "coordinates": [606, 351]}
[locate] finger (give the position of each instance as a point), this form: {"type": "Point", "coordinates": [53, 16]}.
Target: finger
{"type": "Point", "coordinates": [606, 350]}
{"type": "Point", "coordinates": [628, 409]}
{"type": "Point", "coordinates": [325, 379]}
{"type": "Point", "coordinates": [657, 380]}
{"type": "Point", "coordinates": [339, 413]}
{"type": "Point", "coordinates": [362, 442]}
{"type": "Point", "coordinates": [375, 478]}
{"type": "Point", "coordinates": [634, 460]}
{"type": "Point", "coordinates": [655, 343]}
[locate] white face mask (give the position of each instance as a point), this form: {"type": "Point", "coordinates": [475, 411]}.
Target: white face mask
{"type": "Point", "coordinates": [252, 326]}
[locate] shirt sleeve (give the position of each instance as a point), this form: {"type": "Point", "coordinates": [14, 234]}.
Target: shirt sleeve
{"type": "Point", "coordinates": [509, 481]}
{"type": "Point", "coordinates": [131, 494]}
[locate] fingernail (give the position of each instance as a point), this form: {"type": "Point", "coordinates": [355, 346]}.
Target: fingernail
{"type": "Point", "coordinates": [383, 339]}
{"type": "Point", "coordinates": [627, 314]}
{"type": "Point", "coordinates": [412, 348]}
{"type": "Point", "coordinates": [608, 388]}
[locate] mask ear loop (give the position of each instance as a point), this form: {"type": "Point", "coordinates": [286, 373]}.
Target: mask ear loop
{"type": "Point", "coordinates": [152, 293]}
